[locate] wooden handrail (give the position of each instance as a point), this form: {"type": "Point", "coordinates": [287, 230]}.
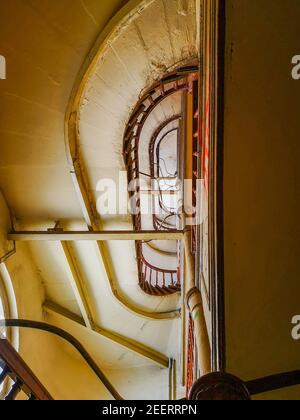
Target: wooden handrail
{"type": "Point", "coordinates": [224, 386]}
{"type": "Point", "coordinates": [273, 382]}
{"type": "Point", "coordinates": [22, 376]}
{"type": "Point", "coordinates": [42, 326]}
{"type": "Point", "coordinates": [161, 270]}
{"type": "Point", "coordinates": [154, 280]}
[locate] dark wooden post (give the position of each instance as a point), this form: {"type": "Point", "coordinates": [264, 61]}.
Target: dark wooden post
{"type": "Point", "coordinates": [219, 386]}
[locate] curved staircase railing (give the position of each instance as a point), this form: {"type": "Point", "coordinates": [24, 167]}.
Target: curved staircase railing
{"type": "Point", "coordinates": [157, 281]}
{"type": "Point", "coordinates": [191, 358]}
{"type": "Point", "coordinates": [152, 280]}
{"type": "Point", "coordinates": [162, 224]}
{"type": "Point", "coordinates": [9, 355]}
{"type": "Point", "coordinates": [17, 378]}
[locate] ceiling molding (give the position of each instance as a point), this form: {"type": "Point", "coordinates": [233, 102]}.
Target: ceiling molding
{"type": "Point", "coordinates": [134, 346]}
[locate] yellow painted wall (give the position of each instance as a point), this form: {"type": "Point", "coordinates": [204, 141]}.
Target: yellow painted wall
{"type": "Point", "coordinates": [43, 353]}
{"type": "Point", "coordinates": [261, 188]}
{"type": "Point", "coordinates": [33, 164]}
{"type": "Point", "coordinates": [40, 78]}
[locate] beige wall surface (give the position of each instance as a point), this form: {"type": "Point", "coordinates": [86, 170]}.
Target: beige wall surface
{"type": "Point", "coordinates": [55, 367]}
{"type": "Point", "coordinates": [261, 188]}
{"type": "Point", "coordinates": [261, 175]}
{"type": "Point", "coordinates": [45, 43]}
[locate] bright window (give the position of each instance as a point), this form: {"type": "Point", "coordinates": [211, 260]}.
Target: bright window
{"type": "Point", "coordinates": [2, 311]}
{"type": "Point", "coordinates": [1, 317]}
{"type": "Point", "coordinates": [8, 309]}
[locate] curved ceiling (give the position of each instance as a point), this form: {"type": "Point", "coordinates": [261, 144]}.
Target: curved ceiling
{"type": "Point", "coordinates": [131, 59]}
{"type": "Point", "coordinates": [35, 167]}
{"type": "Point", "coordinates": [44, 55]}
